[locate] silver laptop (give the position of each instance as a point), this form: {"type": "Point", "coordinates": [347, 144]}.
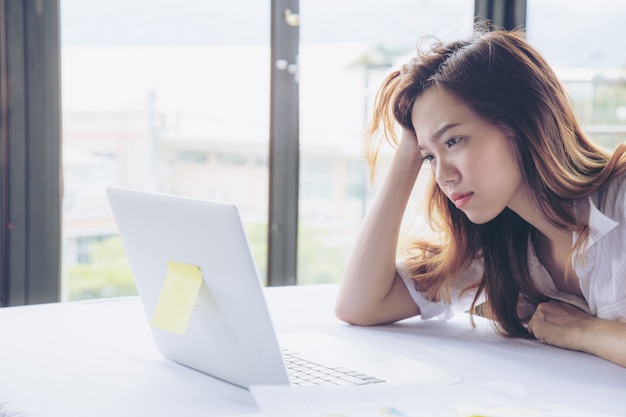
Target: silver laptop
{"type": "Point", "coordinates": [204, 301]}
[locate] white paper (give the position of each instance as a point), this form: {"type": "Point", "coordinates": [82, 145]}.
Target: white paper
{"type": "Point", "coordinates": [496, 399]}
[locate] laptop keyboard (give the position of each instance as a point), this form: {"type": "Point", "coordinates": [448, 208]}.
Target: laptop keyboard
{"type": "Point", "coordinates": [305, 373]}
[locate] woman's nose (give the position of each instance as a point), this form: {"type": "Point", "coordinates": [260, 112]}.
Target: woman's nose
{"type": "Point", "coordinates": [445, 173]}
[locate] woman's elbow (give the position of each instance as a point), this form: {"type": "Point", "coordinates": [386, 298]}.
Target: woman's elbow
{"type": "Point", "coordinates": [363, 317]}
{"type": "Point", "coordinates": [351, 315]}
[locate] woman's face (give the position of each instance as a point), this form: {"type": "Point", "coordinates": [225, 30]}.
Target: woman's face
{"type": "Point", "coordinates": [473, 162]}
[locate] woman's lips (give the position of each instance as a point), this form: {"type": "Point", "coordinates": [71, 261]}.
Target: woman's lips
{"type": "Point", "coordinates": [461, 199]}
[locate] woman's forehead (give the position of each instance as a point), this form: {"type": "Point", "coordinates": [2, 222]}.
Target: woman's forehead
{"type": "Point", "coordinates": [436, 111]}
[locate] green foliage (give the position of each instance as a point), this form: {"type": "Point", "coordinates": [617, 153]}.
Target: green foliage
{"type": "Point", "coordinates": [320, 260]}
{"type": "Point", "coordinates": [107, 275]}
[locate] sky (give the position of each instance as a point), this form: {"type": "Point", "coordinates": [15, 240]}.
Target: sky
{"type": "Point", "coordinates": [568, 32]}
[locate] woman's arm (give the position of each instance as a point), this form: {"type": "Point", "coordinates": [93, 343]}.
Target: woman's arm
{"type": "Point", "coordinates": [563, 325]}
{"type": "Point", "coordinates": [371, 290]}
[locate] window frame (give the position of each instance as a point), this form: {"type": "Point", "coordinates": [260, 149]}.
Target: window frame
{"type": "Point", "coordinates": [284, 154]}
{"type": "Point", "coordinates": [30, 152]}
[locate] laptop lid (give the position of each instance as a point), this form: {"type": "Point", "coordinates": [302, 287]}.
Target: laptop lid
{"type": "Point", "coordinates": [202, 295]}
{"type": "Point", "coordinates": [199, 286]}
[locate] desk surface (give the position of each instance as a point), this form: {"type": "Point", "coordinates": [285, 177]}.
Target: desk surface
{"type": "Point", "coordinates": [98, 358]}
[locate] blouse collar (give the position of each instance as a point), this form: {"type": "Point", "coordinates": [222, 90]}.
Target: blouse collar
{"type": "Point", "coordinates": [599, 224]}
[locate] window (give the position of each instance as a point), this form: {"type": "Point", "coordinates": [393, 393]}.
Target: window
{"type": "Point", "coordinates": [585, 47]}
{"type": "Point", "coordinates": [173, 96]}
{"type": "Point", "coordinates": [169, 96]}
{"type": "Point", "coordinates": [346, 49]}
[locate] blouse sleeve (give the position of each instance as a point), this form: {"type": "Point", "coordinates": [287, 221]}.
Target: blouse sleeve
{"type": "Point", "coordinates": [442, 309]}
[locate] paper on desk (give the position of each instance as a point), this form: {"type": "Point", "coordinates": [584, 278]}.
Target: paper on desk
{"type": "Point", "coordinates": [413, 400]}
{"type": "Point", "coordinates": [178, 297]}
{"type": "Point", "coordinates": [11, 409]}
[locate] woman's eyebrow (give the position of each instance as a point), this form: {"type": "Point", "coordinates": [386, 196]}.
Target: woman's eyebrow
{"type": "Point", "coordinates": [440, 132]}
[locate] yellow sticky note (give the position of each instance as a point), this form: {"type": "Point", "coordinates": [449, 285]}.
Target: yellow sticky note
{"type": "Point", "coordinates": [178, 296]}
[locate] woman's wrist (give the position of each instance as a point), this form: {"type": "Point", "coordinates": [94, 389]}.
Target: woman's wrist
{"type": "Point", "coordinates": [408, 156]}
{"type": "Point", "coordinates": [408, 145]}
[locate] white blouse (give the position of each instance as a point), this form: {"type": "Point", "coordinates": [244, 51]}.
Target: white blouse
{"type": "Point", "coordinates": [600, 266]}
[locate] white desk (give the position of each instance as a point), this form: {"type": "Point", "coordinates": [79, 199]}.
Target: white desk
{"type": "Point", "coordinates": [97, 358]}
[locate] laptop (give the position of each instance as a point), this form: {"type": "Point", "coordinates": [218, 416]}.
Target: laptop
{"type": "Point", "coordinates": [204, 300]}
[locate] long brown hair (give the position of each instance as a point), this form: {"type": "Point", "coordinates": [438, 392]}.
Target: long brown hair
{"type": "Point", "coordinates": [508, 84]}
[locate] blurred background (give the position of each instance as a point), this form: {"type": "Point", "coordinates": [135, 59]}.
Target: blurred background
{"type": "Point", "coordinates": [174, 96]}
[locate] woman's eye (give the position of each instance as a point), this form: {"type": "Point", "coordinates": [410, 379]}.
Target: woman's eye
{"type": "Point", "coordinates": [452, 141]}
{"type": "Point", "coordinates": [429, 158]}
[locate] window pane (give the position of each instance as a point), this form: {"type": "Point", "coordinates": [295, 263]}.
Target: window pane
{"type": "Point", "coordinates": [169, 96]}
{"type": "Point", "coordinates": [346, 50]}
{"type": "Point", "coordinates": [585, 47]}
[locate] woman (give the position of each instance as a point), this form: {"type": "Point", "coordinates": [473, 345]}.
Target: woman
{"type": "Point", "coordinates": [531, 213]}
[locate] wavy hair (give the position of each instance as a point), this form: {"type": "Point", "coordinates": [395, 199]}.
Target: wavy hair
{"type": "Point", "coordinates": [508, 84]}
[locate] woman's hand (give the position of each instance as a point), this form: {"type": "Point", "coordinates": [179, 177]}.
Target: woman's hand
{"type": "Point", "coordinates": [408, 140]}
{"type": "Point", "coordinates": [560, 324]}
{"type": "Point", "coordinates": [408, 145]}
